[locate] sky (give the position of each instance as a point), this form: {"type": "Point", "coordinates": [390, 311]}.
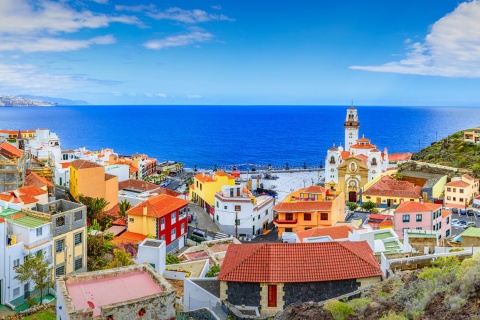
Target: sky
{"type": "Point", "coordinates": [243, 52]}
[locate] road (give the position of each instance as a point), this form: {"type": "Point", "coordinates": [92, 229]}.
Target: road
{"type": "Point", "coordinates": [457, 230]}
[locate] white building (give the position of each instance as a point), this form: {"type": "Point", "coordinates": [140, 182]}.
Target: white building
{"type": "Point", "coordinates": [254, 214]}
{"type": "Point", "coordinates": [44, 145]}
{"type": "Point", "coordinates": [154, 252]}
{"type": "Point", "coordinates": [120, 170]}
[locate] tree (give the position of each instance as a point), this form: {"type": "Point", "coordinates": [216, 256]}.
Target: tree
{"type": "Point", "coordinates": [476, 169]}
{"type": "Point", "coordinates": [124, 206]}
{"type": "Point", "coordinates": [352, 206]}
{"type": "Point", "coordinates": [35, 269]}
{"type": "Point", "coordinates": [369, 205]}
{"type": "Point", "coordinates": [121, 258]}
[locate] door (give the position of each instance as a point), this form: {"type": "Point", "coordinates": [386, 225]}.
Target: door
{"type": "Point", "coordinates": [253, 231]}
{"type": "Point", "coordinates": [272, 295]}
{"type": "Point", "coordinates": [352, 196]}
{"type": "Point", "coordinates": [26, 292]}
{"type": "Point", "coordinates": [61, 181]}
{"type": "Point", "coordinates": [181, 242]}
{"type": "Point", "coordinates": [389, 203]}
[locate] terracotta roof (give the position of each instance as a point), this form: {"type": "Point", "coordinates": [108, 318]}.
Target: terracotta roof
{"type": "Point", "coordinates": [386, 223]}
{"type": "Point", "coordinates": [170, 192]}
{"type": "Point", "coordinates": [204, 178]}
{"type": "Point", "coordinates": [399, 156]}
{"type": "Point", "coordinates": [137, 185]}
{"type": "Point", "coordinates": [345, 154]}
{"type": "Point", "coordinates": [333, 149]}
{"type": "Point", "coordinates": [363, 140]}
{"type": "Point", "coordinates": [412, 206]}
{"type": "Point", "coordinates": [2, 220]}
{"type": "Point", "coordinates": [33, 179]}
{"type": "Point", "coordinates": [109, 176]}
{"type": "Point", "coordinates": [129, 237]}
{"type": "Point", "coordinates": [8, 150]}
{"type": "Point", "coordinates": [468, 177]}
{"type": "Point", "coordinates": [303, 206]}
{"type": "Point", "coordinates": [362, 146]}
{"type": "Point", "coordinates": [120, 222]}
{"type": "Point", "coordinates": [362, 158]}
{"type": "Point", "coordinates": [457, 183]}
{"type": "Point", "coordinates": [376, 216]}
{"type": "Point", "coordinates": [31, 191]}
{"type": "Point", "coordinates": [387, 186]}
{"type": "Point", "coordinates": [65, 165]}
{"type": "Point", "coordinates": [158, 206]}
{"type": "Point", "coordinates": [314, 189]}
{"type": "Point", "coordinates": [298, 262]}
{"type": "Point", "coordinates": [477, 197]}
{"type": "Point", "coordinates": [374, 150]}
{"type": "Point", "coordinates": [27, 199]}
{"type": "Point", "coordinates": [132, 169]}
{"type": "Point", "coordinates": [6, 197]}
{"type": "Point", "coordinates": [113, 212]}
{"type": "Point", "coordinates": [446, 213]}
{"type": "Point", "coordinates": [84, 164]}
{"type": "Point", "coordinates": [335, 232]}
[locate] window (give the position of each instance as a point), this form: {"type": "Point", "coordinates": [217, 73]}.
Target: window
{"type": "Point", "coordinates": [238, 208]}
{"type": "Point", "coordinates": [182, 230]}
{"type": "Point", "coordinates": [460, 199]}
{"type": "Point", "coordinates": [78, 238]}
{"type": "Point", "coordinates": [59, 244]}
{"type": "Point", "coordinates": [461, 190]}
{"type": "Point", "coordinates": [231, 192]}
{"type": "Point", "coordinates": [60, 221]}
{"type": "Point", "coordinates": [258, 217]}
{"type": "Point", "coordinates": [406, 218]}
{"type": "Point", "coordinates": [272, 295]}
{"type": "Point", "coordinates": [174, 234]}
{"type": "Point", "coordinates": [200, 187]}
{"type": "Point", "coordinates": [77, 216]}
{"type": "Point", "coordinates": [449, 198]}
{"type": "Point", "coordinates": [218, 205]}
{"type": "Point", "coordinates": [225, 207]}
{"type": "Point", "coordinates": [449, 189]}
{"type": "Point", "coordinates": [307, 217]}
{"type": "Point", "coordinates": [419, 217]}
{"type": "Point", "coordinates": [174, 217]}
{"type": "Point", "coordinates": [289, 216]}
{"type": "Point", "coordinates": [16, 263]}
{"type": "Point", "coordinates": [60, 271]}
{"type": "Point", "coordinates": [162, 222]}
{"type": "Point", "coordinates": [419, 228]}
{"type": "Point", "coordinates": [447, 233]}
{"type": "Point", "coordinates": [454, 189]}
{"type": "Point", "coordinates": [78, 263]}
{"type": "Point", "coordinates": [162, 237]}
{"type": "Point", "coordinates": [448, 220]}
{"type": "Point", "coordinates": [266, 212]}
{"type": "Point", "coordinates": [238, 192]}
{"type": "Point", "coordinates": [131, 220]}
{"type": "Point", "coordinates": [454, 199]}
{"type": "Point", "coordinates": [288, 229]}
{"type": "Point", "coordinates": [324, 216]}
{"type": "Point", "coordinates": [39, 232]}
{"type": "Point", "coordinates": [439, 225]}
{"type": "Point", "coordinates": [16, 292]}
{"type": "Point", "coordinates": [217, 217]}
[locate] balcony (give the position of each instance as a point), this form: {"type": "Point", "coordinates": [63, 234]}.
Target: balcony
{"type": "Point", "coordinates": [33, 244]}
{"type": "Point", "coordinates": [283, 222]}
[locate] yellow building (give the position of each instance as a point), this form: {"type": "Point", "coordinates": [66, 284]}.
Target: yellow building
{"type": "Point", "coordinates": [460, 192]}
{"type": "Point", "coordinates": [387, 192]}
{"type": "Point", "coordinates": [204, 188]}
{"type": "Point", "coordinates": [309, 208]}
{"type": "Point", "coordinates": [352, 175]}
{"type": "Point", "coordinates": [89, 179]}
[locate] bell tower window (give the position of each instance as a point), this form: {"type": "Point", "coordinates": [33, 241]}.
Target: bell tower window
{"type": "Point", "coordinates": [332, 160]}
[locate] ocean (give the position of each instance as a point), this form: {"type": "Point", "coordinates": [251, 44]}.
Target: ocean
{"type": "Point", "coordinates": [231, 135]}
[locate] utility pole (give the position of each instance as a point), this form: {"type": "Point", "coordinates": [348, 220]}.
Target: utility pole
{"type": "Point", "coordinates": [236, 224]}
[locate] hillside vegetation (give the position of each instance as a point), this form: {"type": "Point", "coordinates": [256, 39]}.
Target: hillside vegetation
{"type": "Point", "coordinates": [454, 152]}
{"type": "Point", "coordinates": [449, 289]}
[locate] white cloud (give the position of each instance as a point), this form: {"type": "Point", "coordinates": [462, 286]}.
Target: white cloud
{"type": "Point", "coordinates": [101, 1]}
{"type": "Point", "coordinates": [193, 96]}
{"type": "Point", "coordinates": [179, 41]}
{"type": "Point", "coordinates": [188, 16]}
{"type": "Point", "coordinates": [217, 7]}
{"type": "Point", "coordinates": [451, 49]}
{"type": "Point", "coordinates": [161, 95]}
{"type": "Point", "coordinates": [137, 8]}
{"type": "Point", "coordinates": [49, 44]}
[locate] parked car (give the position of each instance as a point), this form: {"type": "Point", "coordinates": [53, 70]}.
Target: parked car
{"type": "Point", "coordinates": [470, 224]}
{"type": "Point", "coordinates": [189, 217]}
{"type": "Point", "coordinates": [455, 210]}
{"type": "Point", "coordinates": [478, 213]}
{"type": "Point", "coordinates": [463, 212]}
{"type": "Point", "coordinates": [455, 221]}
{"type": "Point", "coordinates": [470, 213]}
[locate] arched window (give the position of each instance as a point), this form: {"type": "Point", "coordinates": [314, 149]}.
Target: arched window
{"type": "Point", "coordinates": [374, 161]}
{"type": "Point", "coordinates": [332, 160]}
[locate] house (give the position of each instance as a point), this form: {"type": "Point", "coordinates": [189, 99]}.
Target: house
{"type": "Point", "coordinates": [271, 276]}
{"type": "Point", "coordinates": [33, 179]}
{"type": "Point", "coordinates": [388, 192]}
{"type": "Point", "coordinates": [476, 202]}
{"type": "Point", "coordinates": [131, 292]}
{"type": "Point", "coordinates": [472, 136]}
{"type": "Point", "coordinates": [56, 228]}
{"type": "Point", "coordinates": [432, 184]}
{"type": "Point", "coordinates": [12, 166]}
{"type": "Point", "coordinates": [238, 212]}
{"type": "Point", "coordinates": [89, 179]}
{"type": "Point", "coordinates": [460, 192]}
{"type": "Point", "coordinates": [423, 241]}
{"type": "Point", "coordinates": [163, 217]}
{"type": "Point", "coordinates": [309, 208]}
{"type": "Point", "coordinates": [422, 216]}
{"type": "Point", "coordinates": [204, 188]}
{"type": "Point", "coordinates": [470, 237]}
{"type": "Point", "coordinates": [136, 191]}
{"type": "Point", "coordinates": [382, 241]}
{"type": "Point", "coordinates": [337, 233]}
{"type": "Point", "coordinates": [394, 159]}
{"type": "Point", "coordinates": [44, 145]}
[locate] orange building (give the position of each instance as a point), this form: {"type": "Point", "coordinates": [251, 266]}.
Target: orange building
{"type": "Point", "coordinates": [90, 180]}
{"type": "Point", "coordinates": [309, 208]}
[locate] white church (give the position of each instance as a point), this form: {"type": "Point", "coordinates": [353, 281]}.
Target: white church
{"type": "Point", "coordinates": [349, 168]}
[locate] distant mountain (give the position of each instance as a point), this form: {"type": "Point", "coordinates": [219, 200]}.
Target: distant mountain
{"type": "Point", "coordinates": [10, 101]}
{"type": "Point", "coordinates": [56, 101]}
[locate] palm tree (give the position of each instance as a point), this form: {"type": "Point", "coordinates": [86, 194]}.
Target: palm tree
{"type": "Point", "coordinates": [99, 204]}
{"type": "Point", "coordinates": [124, 206]}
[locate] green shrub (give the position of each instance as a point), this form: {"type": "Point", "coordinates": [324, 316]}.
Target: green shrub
{"type": "Point", "coordinates": [352, 206]}
{"type": "Point", "coordinates": [340, 310]}
{"type": "Point", "coordinates": [369, 205]}
{"type": "Point", "coordinates": [392, 315]}
{"type": "Point", "coordinates": [213, 272]}
{"type": "Point", "coordinates": [171, 259]}
{"type": "Point", "coordinates": [31, 302]}
{"type": "Point", "coordinates": [359, 305]}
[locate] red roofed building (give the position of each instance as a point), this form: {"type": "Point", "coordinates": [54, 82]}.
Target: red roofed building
{"type": "Point", "coordinates": [271, 276]}
{"type": "Point", "coordinates": [12, 166]}
{"type": "Point", "coordinates": [204, 188]}
{"type": "Point", "coordinates": [460, 191]}
{"type": "Point", "coordinates": [309, 208]}
{"type": "Point", "coordinates": [388, 192]}
{"type": "Point", "coordinates": [335, 232]}
{"type": "Point", "coordinates": [422, 216]}
{"type": "Point", "coordinates": [163, 217]}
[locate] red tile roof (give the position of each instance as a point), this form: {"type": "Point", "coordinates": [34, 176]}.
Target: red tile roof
{"type": "Point", "coordinates": [6, 197]}
{"type": "Point", "coordinates": [399, 156]}
{"type": "Point", "coordinates": [362, 158]}
{"type": "Point", "coordinates": [113, 212]}
{"type": "Point", "coordinates": [387, 186]}
{"type": "Point", "coordinates": [84, 164]}
{"type": "Point", "coordinates": [2, 220]}
{"type": "Point", "coordinates": [204, 178]}
{"type": "Point", "coordinates": [314, 189]}
{"type": "Point", "coordinates": [303, 206]}
{"type": "Point", "coordinates": [120, 222]}
{"type": "Point", "coordinates": [362, 146]}
{"type": "Point", "coordinates": [363, 140]}
{"type": "Point", "coordinates": [376, 216]}
{"type": "Point", "coordinates": [26, 199]}
{"type": "Point", "coordinates": [129, 237]}
{"type": "Point", "coordinates": [137, 185]}
{"type": "Point", "coordinates": [412, 206]}
{"type": "Point", "coordinates": [298, 262]}
{"type": "Point", "coordinates": [386, 223]}
{"type": "Point", "coordinates": [446, 213]}
{"type": "Point", "coordinates": [335, 232]}
{"type": "Point", "coordinates": [457, 183]}
{"type": "Point", "coordinates": [158, 206]}
{"type": "Point", "coordinates": [468, 177]}
{"type": "Point", "coordinates": [345, 154]}
{"type": "Point", "coordinates": [109, 176]}
{"type": "Point", "coordinates": [8, 150]}
{"type": "Point", "coordinates": [33, 179]}
{"type": "Point", "coordinates": [31, 191]}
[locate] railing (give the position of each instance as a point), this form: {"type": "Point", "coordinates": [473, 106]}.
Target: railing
{"type": "Point", "coordinates": [278, 221]}
{"type": "Point", "coordinates": [33, 244]}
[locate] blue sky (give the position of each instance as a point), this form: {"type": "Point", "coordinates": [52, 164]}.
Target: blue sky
{"type": "Point", "coordinates": [400, 53]}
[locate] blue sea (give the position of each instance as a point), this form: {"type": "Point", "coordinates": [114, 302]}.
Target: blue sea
{"type": "Point", "coordinates": [230, 135]}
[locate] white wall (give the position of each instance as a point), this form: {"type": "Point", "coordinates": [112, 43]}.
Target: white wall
{"type": "Point", "coordinates": [195, 297]}
{"type": "Point", "coordinates": [120, 170]}
{"type": "Point", "coordinates": [3, 245]}
{"type": "Point", "coordinates": [152, 255]}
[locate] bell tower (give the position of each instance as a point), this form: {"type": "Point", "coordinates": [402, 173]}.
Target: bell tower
{"type": "Point", "coordinates": [351, 125]}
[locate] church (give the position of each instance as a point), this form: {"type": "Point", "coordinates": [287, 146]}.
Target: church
{"type": "Point", "coordinates": [349, 168]}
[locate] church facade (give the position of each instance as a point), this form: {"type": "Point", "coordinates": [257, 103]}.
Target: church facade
{"type": "Point", "coordinates": [349, 168]}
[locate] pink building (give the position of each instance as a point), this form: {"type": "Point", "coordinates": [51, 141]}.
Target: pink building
{"type": "Point", "coordinates": [422, 216]}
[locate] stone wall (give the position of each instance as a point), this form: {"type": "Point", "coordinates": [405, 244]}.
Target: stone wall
{"type": "Point", "coordinates": [243, 293]}
{"type": "Point", "coordinates": [470, 241]}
